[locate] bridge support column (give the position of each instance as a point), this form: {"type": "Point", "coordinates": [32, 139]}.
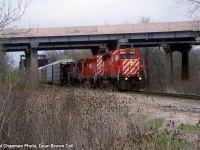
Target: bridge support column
{"type": "Point", "coordinates": [120, 43]}
{"type": "Point", "coordinates": [185, 66]}
{"type": "Point", "coordinates": [112, 45]}
{"type": "Point", "coordinates": [99, 50]}
{"type": "Point", "coordinates": [184, 49]}
{"type": "Point", "coordinates": [32, 74]}
{"type": "Point", "coordinates": [95, 50]}
{"type": "Point", "coordinates": [168, 65]}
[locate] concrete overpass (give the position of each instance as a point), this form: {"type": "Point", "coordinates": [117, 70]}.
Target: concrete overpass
{"type": "Point", "coordinates": [151, 34]}
{"type": "Point", "coordinates": [172, 36]}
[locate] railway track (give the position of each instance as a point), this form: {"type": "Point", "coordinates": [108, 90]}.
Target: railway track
{"type": "Point", "coordinates": [183, 96]}
{"type": "Point", "coordinates": [176, 102]}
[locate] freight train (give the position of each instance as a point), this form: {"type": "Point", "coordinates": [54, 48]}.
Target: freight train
{"type": "Point", "coordinates": [122, 68]}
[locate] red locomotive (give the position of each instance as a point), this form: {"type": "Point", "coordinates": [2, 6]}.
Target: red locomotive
{"type": "Point", "coordinates": [123, 68]}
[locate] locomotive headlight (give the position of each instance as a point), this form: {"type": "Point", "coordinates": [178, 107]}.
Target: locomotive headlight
{"type": "Point", "coordinates": [140, 78]}
{"type": "Point", "coordinates": [131, 63]}
{"type": "Point", "coordinates": [126, 79]}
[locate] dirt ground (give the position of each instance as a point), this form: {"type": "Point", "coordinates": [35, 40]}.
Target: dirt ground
{"type": "Point", "coordinates": [173, 110]}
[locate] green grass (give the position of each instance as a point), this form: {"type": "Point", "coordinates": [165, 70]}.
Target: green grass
{"type": "Point", "coordinates": [169, 140]}
{"type": "Point", "coordinates": [165, 139]}
{"type": "Point", "coordinates": [156, 123]}
{"type": "Point", "coordinates": [188, 127]}
{"type": "Point", "coordinates": [124, 111]}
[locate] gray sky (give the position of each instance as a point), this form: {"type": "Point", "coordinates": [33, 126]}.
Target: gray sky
{"type": "Point", "coordinates": [63, 13]}
{"type": "Point", "coordinates": [59, 13]}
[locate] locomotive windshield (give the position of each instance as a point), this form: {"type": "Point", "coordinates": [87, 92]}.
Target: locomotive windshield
{"type": "Point", "coordinates": [130, 56]}
{"type": "Point", "coordinates": [123, 56]}
{"type": "Point", "coordinates": [126, 56]}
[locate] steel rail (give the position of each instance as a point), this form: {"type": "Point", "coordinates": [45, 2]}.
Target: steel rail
{"type": "Point", "coordinates": [190, 96]}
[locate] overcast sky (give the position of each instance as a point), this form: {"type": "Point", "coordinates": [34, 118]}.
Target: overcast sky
{"type": "Point", "coordinates": [59, 13]}
{"type": "Point", "coordinates": [64, 13]}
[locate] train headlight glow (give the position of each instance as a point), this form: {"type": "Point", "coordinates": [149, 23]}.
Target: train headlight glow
{"type": "Point", "coordinates": [126, 79]}
{"type": "Point", "coordinates": [140, 78]}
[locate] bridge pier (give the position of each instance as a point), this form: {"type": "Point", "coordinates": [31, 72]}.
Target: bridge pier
{"type": "Point", "coordinates": [120, 43]}
{"type": "Point", "coordinates": [185, 66]}
{"type": "Point", "coordinates": [95, 50]}
{"type": "Point", "coordinates": [184, 49]}
{"type": "Point", "coordinates": [112, 45]}
{"type": "Point", "coordinates": [168, 65]}
{"type": "Point", "coordinates": [32, 74]}
{"type": "Point", "coordinates": [99, 50]}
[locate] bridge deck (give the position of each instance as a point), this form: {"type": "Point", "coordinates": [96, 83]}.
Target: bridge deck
{"type": "Point", "coordinates": [91, 37]}
{"type": "Point", "coordinates": [107, 29]}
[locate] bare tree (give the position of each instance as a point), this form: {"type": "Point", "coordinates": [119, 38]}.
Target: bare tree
{"type": "Point", "coordinates": [76, 54]}
{"type": "Point", "coordinates": [193, 7]}
{"type": "Point", "coordinates": [11, 11]}
{"type": "Point", "coordinates": [145, 20]}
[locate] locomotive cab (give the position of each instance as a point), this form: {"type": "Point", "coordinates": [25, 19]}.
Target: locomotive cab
{"type": "Point", "coordinates": [130, 69]}
{"type": "Point", "coordinates": [127, 54]}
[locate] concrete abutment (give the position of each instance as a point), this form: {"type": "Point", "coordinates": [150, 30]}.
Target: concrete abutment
{"type": "Point", "coordinates": [168, 65]}
{"type": "Point", "coordinates": [184, 50]}
{"type": "Point", "coordinates": [32, 73]}
{"type": "Point", "coordinates": [185, 66]}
